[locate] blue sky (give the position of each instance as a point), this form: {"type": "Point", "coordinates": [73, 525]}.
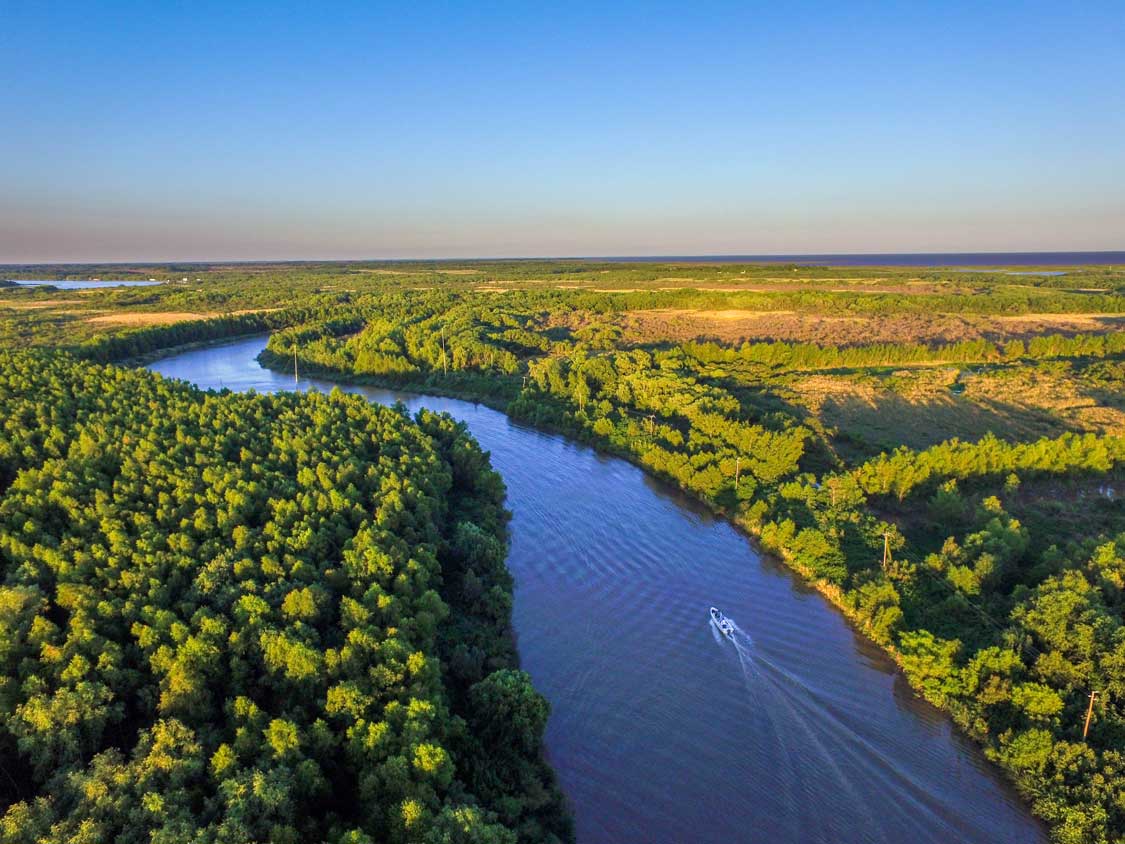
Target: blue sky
{"type": "Point", "coordinates": [153, 131]}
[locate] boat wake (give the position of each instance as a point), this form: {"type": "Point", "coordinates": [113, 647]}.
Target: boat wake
{"type": "Point", "coordinates": [784, 702]}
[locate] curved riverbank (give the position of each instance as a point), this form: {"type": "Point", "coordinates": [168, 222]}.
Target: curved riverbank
{"type": "Point", "coordinates": [798, 731]}
{"type": "Point", "coordinates": [431, 385]}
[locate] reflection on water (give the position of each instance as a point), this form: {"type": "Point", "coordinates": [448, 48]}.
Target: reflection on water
{"type": "Point", "coordinates": [801, 731]}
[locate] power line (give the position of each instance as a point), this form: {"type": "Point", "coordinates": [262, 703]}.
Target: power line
{"type": "Point", "coordinates": [920, 566]}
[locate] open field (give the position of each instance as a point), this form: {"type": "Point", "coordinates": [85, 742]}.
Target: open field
{"type": "Point", "coordinates": [920, 407]}
{"type": "Point", "coordinates": [39, 304]}
{"type": "Point", "coordinates": [142, 318]}
{"type": "Point", "coordinates": [147, 318]}
{"type": "Point", "coordinates": [736, 326]}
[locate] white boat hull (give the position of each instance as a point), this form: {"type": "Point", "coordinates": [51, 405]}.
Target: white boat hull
{"type": "Point", "coordinates": [725, 625]}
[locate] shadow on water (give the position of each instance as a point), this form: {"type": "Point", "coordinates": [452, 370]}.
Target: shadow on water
{"type": "Point", "coordinates": [658, 731]}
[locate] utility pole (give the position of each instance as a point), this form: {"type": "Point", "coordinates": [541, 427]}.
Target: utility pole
{"type": "Point", "coordinates": [886, 550]}
{"type": "Point", "coordinates": [1089, 715]}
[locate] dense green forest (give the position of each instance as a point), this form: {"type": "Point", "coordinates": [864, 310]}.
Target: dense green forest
{"type": "Point", "coordinates": [248, 618]}
{"type": "Point", "coordinates": [948, 472]}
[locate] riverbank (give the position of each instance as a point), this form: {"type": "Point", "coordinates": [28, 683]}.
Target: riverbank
{"type": "Point", "coordinates": [426, 386]}
{"type": "Point", "coordinates": [158, 354]}
{"type": "Point", "coordinates": [746, 526]}
{"type": "Point", "coordinates": [799, 732]}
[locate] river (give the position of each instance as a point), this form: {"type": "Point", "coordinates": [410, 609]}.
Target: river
{"type": "Point", "coordinates": [81, 285]}
{"type": "Point", "coordinates": [797, 730]}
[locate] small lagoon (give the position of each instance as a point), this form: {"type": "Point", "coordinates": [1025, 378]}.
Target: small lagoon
{"type": "Point", "coordinates": [81, 285]}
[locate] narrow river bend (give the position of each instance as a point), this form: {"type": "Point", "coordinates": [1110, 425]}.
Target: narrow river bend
{"type": "Point", "coordinates": [661, 731]}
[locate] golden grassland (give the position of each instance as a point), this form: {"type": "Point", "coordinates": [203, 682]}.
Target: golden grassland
{"type": "Point", "coordinates": [921, 406]}
{"type": "Point", "coordinates": [142, 318]}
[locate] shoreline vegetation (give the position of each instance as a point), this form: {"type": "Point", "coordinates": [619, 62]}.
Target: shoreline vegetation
{"type": "Point", "coordinates": [960, 500]}
{"type": "Point", "coordinates": [787, 548]}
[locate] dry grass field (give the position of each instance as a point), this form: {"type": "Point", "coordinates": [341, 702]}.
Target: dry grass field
{"type": "Point", "coordinates": [674, 325]}
{"type": "Point", "coordinates": [139, 318]}
{"type": "Point", "coordinates": [143, 318]}
{"type": "Point", "coordinates": [921, 406]}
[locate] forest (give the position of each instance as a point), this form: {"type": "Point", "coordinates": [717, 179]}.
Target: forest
{"type": "Point", "coordinates": [249, 602]}
{"type": "Point", "coordinates": [248, 618]}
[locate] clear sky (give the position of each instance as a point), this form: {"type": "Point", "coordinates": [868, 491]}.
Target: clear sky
{"type": "Point", "coordinates": [196, 130]}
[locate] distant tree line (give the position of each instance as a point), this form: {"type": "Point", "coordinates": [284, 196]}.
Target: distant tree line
{"type": "Point", "coordinates": [798, 356]}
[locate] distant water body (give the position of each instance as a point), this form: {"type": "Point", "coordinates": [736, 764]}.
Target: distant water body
{"type": "Point", "coordinates": [905, 259]}
{"type": "Point", "coordinates": [80, 285]}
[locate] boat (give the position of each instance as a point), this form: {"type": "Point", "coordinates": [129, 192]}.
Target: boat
{"type": "Point", "coordinates": [725, 625]}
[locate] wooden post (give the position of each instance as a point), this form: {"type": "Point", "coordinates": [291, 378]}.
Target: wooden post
{"type": "Point", "coordinates": [886, 550]}
{"type": "Point", "coordinates": [1089, 715]}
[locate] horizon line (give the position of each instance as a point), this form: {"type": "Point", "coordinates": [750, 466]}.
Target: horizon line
{"type": "Point", "coordinates": [655, 258]}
